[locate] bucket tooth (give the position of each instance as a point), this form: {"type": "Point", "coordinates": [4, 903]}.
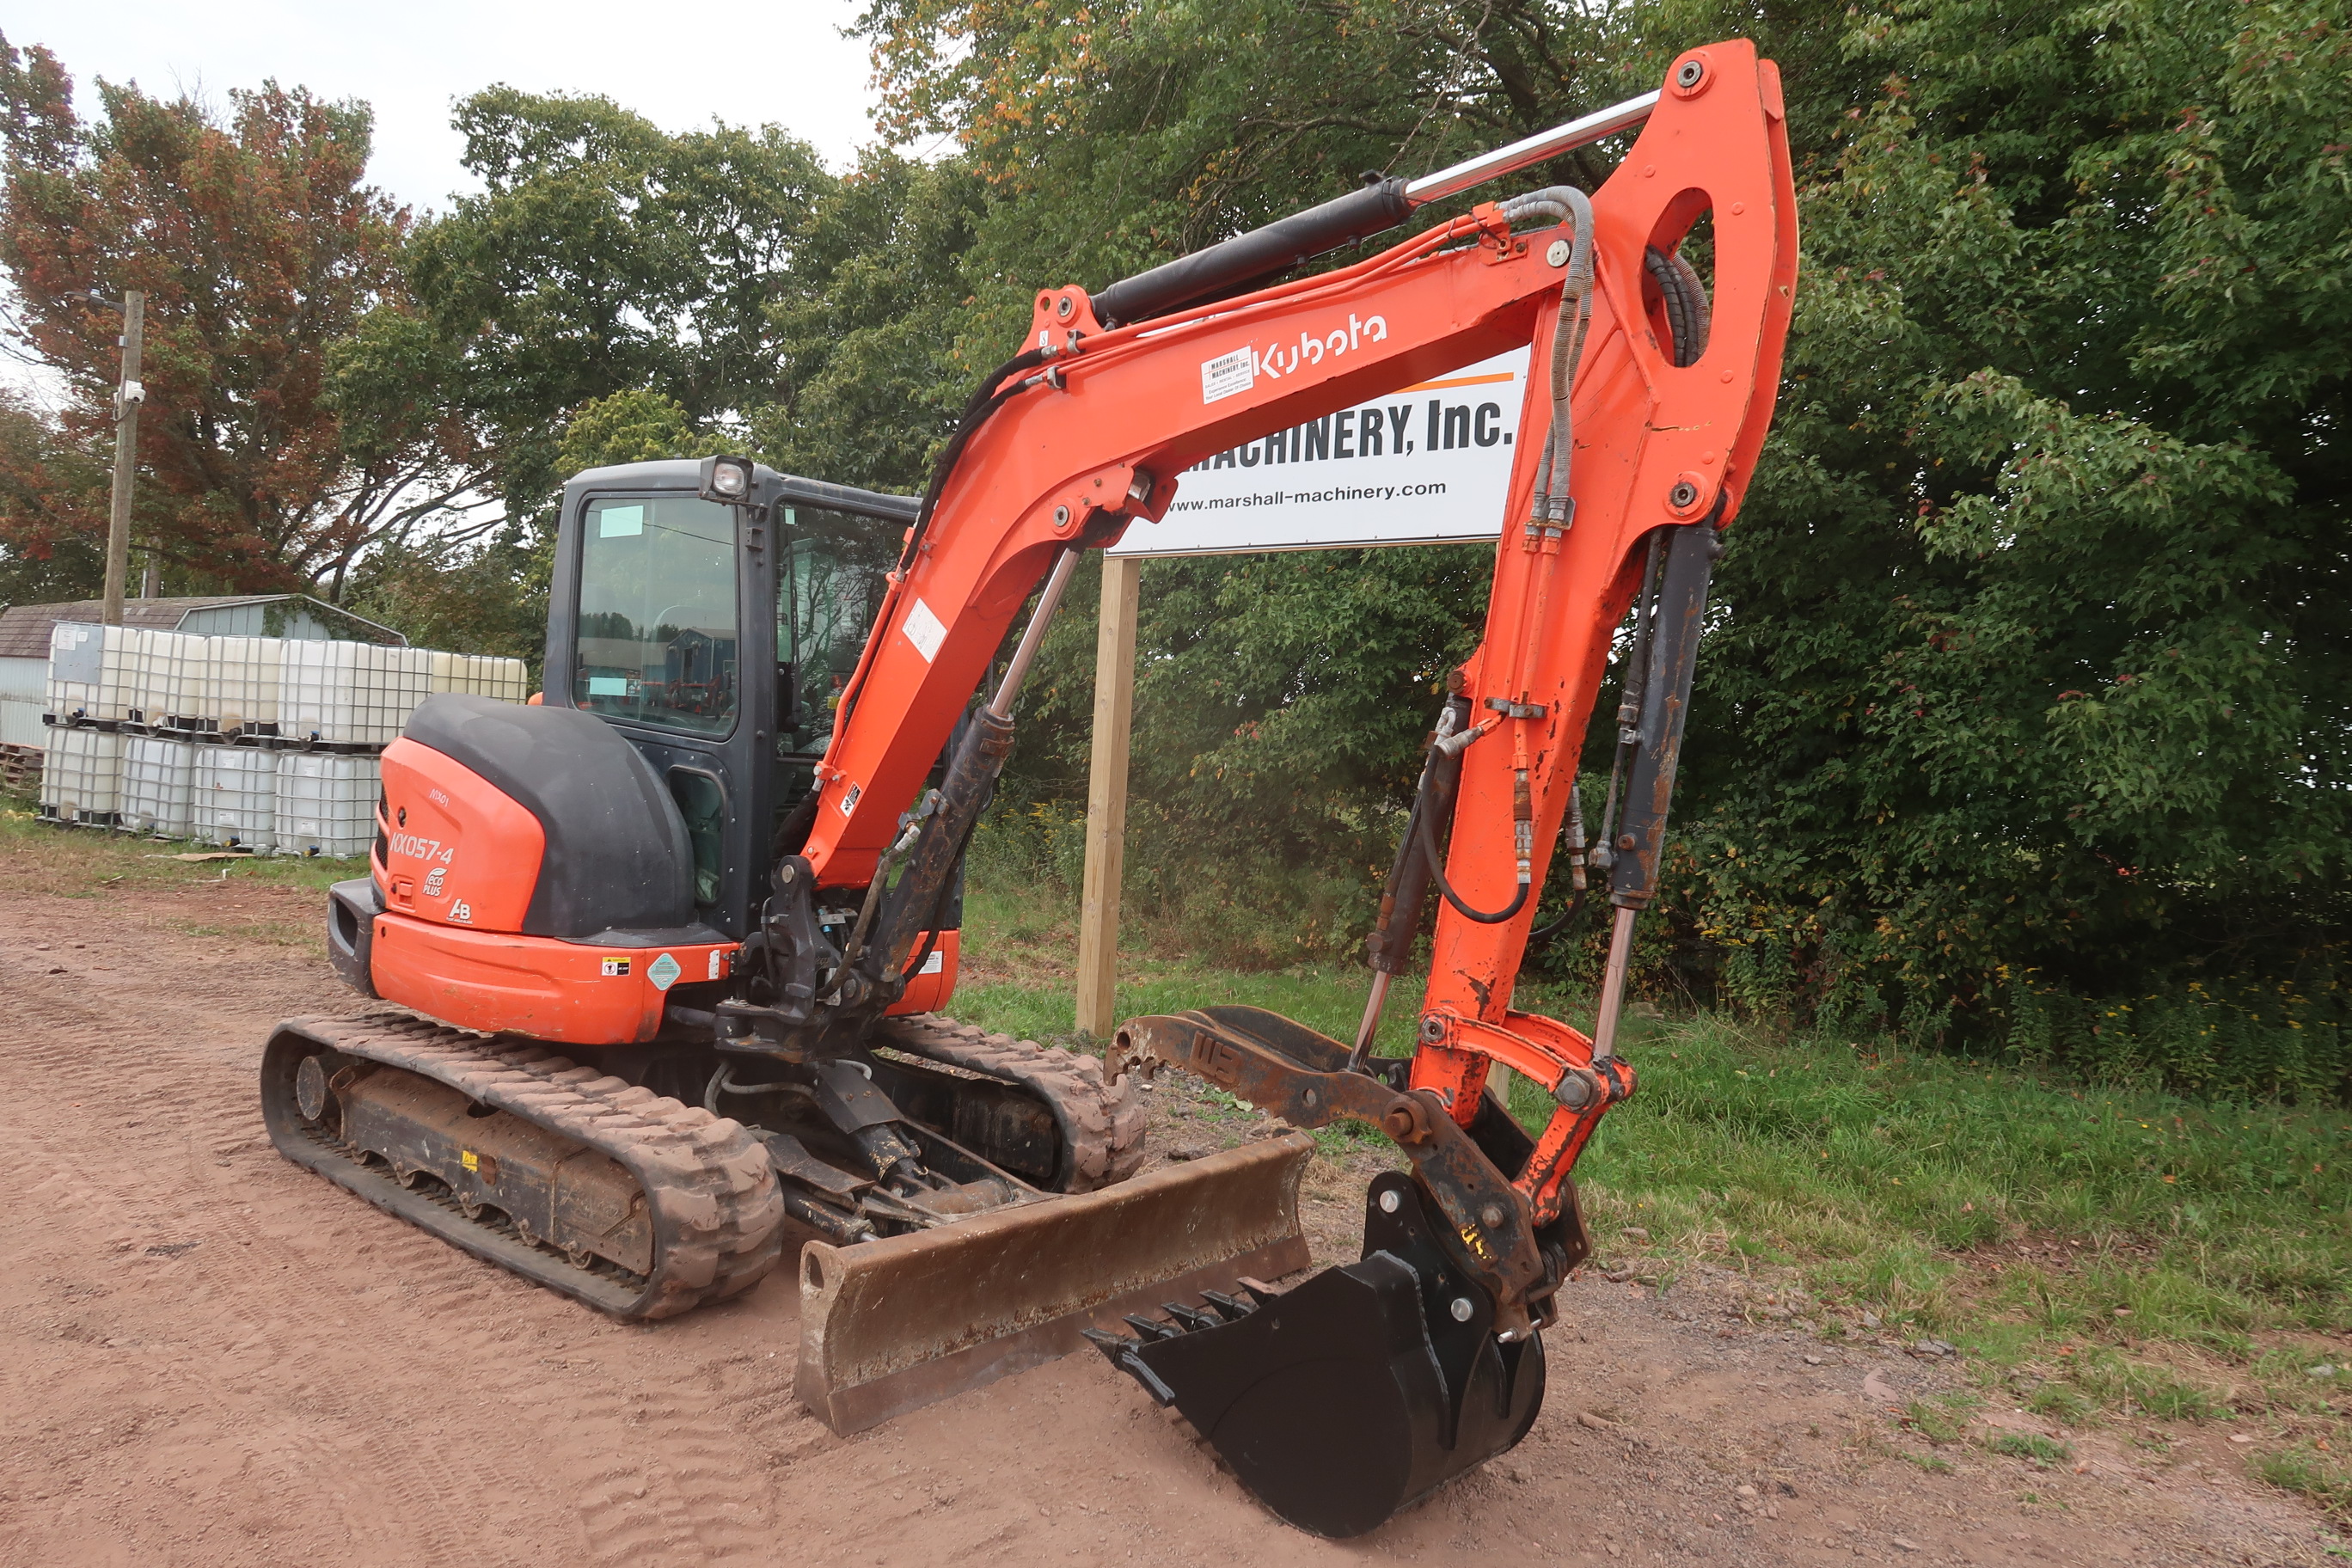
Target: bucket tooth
{"type": "Point", "coordinates": [1191, 1318]}
{"type": "Point", "coordinates": [1229, 1309]}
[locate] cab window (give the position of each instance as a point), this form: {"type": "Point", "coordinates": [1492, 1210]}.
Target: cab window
{"type": "Point", "coordinates": [657, 632]}
{"type": "Point", "coordinates": [833, 582]}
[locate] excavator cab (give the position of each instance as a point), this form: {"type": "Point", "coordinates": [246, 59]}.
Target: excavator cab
{"type": "Point", "coordinates": [717, 635]}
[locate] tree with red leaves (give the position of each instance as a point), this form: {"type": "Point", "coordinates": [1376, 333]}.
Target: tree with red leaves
{"type": "Point", "coordinates": [259, 246]}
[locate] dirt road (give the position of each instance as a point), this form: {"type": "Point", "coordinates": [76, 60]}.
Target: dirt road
{"type": "Point", "coordinates": [210, 1357]}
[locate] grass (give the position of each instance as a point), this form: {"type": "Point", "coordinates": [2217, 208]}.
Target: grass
{"type": "Point", "coordinates": [2097, 1255]}
{"type": "Point", "coordinates": [90, 863]}
{"type": "Point", "coordinates": [2323, 1478]}
{"type": "Point", "coordinates": [2041, 1451]}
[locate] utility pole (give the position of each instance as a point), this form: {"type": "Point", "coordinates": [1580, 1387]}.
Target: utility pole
{"type": "Point", "coordinates": [127, 396]}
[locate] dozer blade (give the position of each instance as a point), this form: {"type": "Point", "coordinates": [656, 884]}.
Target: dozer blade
{"type": "Point", "coordinates": [893, 1324]}
{"type": "Point", "coordinates": [1352, 1396]}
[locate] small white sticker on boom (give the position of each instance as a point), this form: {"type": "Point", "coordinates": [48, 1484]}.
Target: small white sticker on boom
{"type": "Point", "coordinates": [1227, 374]}
{"type": "Point", "coordinates": [925, 630]}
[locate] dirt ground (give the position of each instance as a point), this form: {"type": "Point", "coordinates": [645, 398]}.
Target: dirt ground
{"type": "Point", "coordinates": [212, 1357]}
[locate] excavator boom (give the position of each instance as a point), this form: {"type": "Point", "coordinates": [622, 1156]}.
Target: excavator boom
{"type": "Point", "coordinates": [1650, 390]}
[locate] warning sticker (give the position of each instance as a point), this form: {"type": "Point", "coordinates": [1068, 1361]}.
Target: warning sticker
{"type": "Point", "coordinates": [613, 966]}
{"type": "Point", "coordinates": [662, 972]}
{"type": "Point", "coordinates": [925, 630]}
{"type": "Point", "coordinates": [717, 963]}
{"type": "Point", "coordinates": [1227, 374]}
{"type": "Point", "coordinates": [936, 963]}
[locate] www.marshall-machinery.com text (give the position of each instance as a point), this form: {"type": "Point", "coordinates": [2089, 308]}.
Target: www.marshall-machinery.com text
{"type": "Point", "coordinates": [1309, 497]}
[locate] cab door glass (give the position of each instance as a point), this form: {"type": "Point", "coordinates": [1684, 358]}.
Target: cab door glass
{"type": "Point", "coordinates": [703, 804]}
{"type": "Point", "coordinates": [657, 639]}
{"type": "Point", "coordinates": [833, 582]}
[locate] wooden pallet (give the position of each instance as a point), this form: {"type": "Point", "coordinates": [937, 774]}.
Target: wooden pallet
{"type": "Point", "coordinates": [20, 769]}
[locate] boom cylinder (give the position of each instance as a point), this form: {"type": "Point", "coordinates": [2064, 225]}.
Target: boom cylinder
{"type": "Point", "coordinates": [1390, 947]}
{"type": "Point", "coordinates": [1258, 255]}
{"type": "Point", "coordinates": [1641, 827]}
{"type": "Point", "coordinates": [1657, 741]}
{"type": "Point", "coordinates": [911, 904]}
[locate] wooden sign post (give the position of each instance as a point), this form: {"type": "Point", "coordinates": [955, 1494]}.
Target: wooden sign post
{"type": "Point", "coordinates": [1122, 577]}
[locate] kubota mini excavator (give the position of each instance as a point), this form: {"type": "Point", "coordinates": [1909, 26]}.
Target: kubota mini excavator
{"type": "Point", "coordinates": [710, 870]}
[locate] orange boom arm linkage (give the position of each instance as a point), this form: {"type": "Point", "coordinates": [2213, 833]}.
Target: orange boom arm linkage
{"type": "Point", "coordinates": [1096, 438]}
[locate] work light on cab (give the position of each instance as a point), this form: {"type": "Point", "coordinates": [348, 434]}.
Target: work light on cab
{"type": "Point", "coordinates": [726, 479]}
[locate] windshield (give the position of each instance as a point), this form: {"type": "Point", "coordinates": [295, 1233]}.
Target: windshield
{"type": "Point", "coordinates": [656, 628]}
{"type": "Point", "coordinates": [834, 568]}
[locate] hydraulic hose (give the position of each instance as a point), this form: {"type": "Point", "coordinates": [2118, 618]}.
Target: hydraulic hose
{"type": "Point", "coordinates": [1437, 870]}
{"type": "Point", "coordinates": [1569, 204]}
{"type": "Point", "coordinates": [1577, 877]}
{"type": "Point", "coordinates": [986, 400]}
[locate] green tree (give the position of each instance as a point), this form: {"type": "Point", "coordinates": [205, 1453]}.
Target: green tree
{"type": "Point", "coordinates": [52, 543]}
{"type": "Point", "coordinates": [2029, 718]}
{"type": "Point", "coordinates": [602, 256]}
{"type": "Point", "coordinates": [1114, 136]}
{"type": "Point", "coordinates": [871, 319]}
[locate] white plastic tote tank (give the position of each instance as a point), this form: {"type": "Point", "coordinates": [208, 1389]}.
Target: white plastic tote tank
{"type": "Point", "coordinates": [93, 673]}
{"type": "Point", "coordinates": [82, 774]}
{"type": "Point", "coordinates": [235, 797]}
{"type": "Point", "coordinates": [244, 682]}
{"type": "Point", "coordinates": [349, 693]}
{"type": "Point", "coordinates": [326, 803]}
{"type": "Point", "coordinates": [158, 781]}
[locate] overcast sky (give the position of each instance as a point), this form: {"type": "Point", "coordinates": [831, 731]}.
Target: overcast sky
{"type": "Point", "coordinates": [677, 62]}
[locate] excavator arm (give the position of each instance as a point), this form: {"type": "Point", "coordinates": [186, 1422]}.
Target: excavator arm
{"type": "Point", "coordinates": [1649, 393]}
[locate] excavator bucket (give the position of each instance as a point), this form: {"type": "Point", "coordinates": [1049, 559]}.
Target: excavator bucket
{"type": "Point", "coordinates": [892, 1324]}
{"type": "Point", "coordinates": [1354, 1395]}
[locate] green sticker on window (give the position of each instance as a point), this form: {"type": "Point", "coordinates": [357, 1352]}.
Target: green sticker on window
{"type": "Point", "coordinates": [620, 522]}
{"type": "Point", "coordinates": [608, 686]}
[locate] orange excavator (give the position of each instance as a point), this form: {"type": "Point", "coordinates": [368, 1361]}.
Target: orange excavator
{"type": "Point", "coordinates": [668, 949]}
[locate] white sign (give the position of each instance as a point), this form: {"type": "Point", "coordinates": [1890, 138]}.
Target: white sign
{"type": "Point", "coordinates": [1428, 464]}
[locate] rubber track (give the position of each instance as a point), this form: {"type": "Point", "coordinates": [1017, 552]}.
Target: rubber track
{"type": "Point", "coordinates": [717, 1213]}
{"type": "Point", "coordinates": [1102, 1126]}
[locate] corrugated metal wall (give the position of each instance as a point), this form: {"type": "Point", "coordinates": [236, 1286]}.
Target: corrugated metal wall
{"type": "Point", "coordinates": [20, 724]}
{"type": "Point", "coordinates": [25, 679]}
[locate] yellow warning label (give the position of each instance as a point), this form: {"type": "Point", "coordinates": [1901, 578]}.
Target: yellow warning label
{"type": "Point", "coordinates": [470, 1160]}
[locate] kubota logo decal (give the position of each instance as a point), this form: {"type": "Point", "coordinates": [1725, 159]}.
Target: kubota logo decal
{"type": "Point", "coordinates": [1238, 371]}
